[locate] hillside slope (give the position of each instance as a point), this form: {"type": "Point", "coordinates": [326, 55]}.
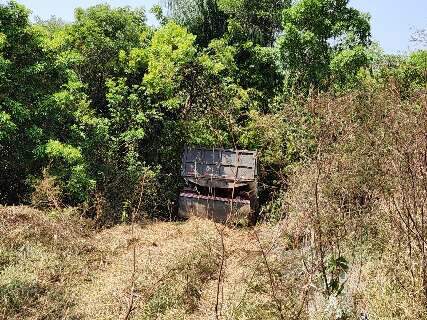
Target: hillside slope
{"type": "Point", "coordinates": [55, 267]}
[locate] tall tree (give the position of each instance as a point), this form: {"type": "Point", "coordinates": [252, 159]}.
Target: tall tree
{"type": "Point", "coordinates": [28, 78]}
{"type": "Point", "coordinates": [202, 18]}
{"type": "Point", "coordinates": [97, 37]}
{"type": "Point", "coordinates": [317, 31]}
{"type": "Point", "coordinates": [258, 21]}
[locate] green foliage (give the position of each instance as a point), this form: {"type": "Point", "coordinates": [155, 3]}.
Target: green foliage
{"type": "Point", "coordinates": [317, 33]}
{"type": "Point", "coordinates": [219, 57]}
{"type": "Point", "coordinates": [203, 18]}
{"type": "Point", "coordinates": [67, 153]}
{"type": "Point", "coordinates": [157, 10]}
{"type": "Point", "coordinates": [254, 20]}
{"type": "Point", "coordinates": [7, 127]}
{"type": "Point", "coordinates": [68, 164]}
{"type": "Point", "coordinates": [238, 21]}
{"type": "Point", "coordinates": [171, 49]}
{"type": "Point", "coordinates": [251, 27]}
{"type": "Point", "coordinates": [413, 72]}
{"type": "Point", "coordinates": [28, 77]}
{"type": "Point", "coordinates": [345, 66]}
{"type": "Point", "coordinates": [337, 269]}
{"type": "Point", "coordinates": [97, 37]}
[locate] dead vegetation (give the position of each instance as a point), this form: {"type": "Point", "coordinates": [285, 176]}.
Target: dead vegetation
{"type": "Point", "coordinates": [41, 257]}
{"type": "Point", "coordinates": [360, 206]}
{"type": "Point", "coordinates": [178, 270]}
{"type": "Point", "coordinates": [56, 266]}
{"type": "Point", "coordinates": [47, 193]}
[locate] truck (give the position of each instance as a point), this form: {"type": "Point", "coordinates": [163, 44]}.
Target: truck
{"type": "Point", "coordinates": [220, 184]}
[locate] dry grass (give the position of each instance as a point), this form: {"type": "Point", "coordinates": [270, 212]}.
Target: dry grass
{"type": "Point", "coordinates": [40, 258]}
{"type": "Point", "coordinates": [177, 273]}
{"type": "Point", "coordinates": [55, 266]}
{"type": "Point", "coordinates": [353, 239]}
{"type": "Point", "coordinates": [354, 199]}
{"type": "Point", "coordinates": [47, 193]}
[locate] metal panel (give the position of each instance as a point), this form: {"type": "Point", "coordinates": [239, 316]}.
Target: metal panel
{"type": "Point", "coordinates": [201, 163]}
{"type": "Point", "coordinates": [228, 157]}
{"type": "Point", "coordinates": [218, 209]}
{"type": "Point", "coordinates": [245, 173]}
{"type": "Point", "coordinates": [217, 183]}
{"type": "Point", "coordinates": [246, 158]}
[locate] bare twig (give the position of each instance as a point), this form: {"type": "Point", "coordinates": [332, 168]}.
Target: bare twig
{"type": "Point", "coordinates": [131, 306]}
{"type": "Point", "coordinates": [277, 301]}
{"type": "Point", "coordinates": [219, 287]}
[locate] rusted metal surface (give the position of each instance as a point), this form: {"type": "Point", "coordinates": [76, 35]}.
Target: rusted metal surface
{"type": "Point", "coordinates": [219, 168]}
{"type": "Point", "coordinates": [216, 208]}
{"type": "Point", "coordinates": [221, 184]}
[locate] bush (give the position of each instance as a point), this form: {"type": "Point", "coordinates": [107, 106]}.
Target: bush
{"type": "Point", "coordinates": [47, 194]}
{"type": "Point", "coordinates": [355, 198]}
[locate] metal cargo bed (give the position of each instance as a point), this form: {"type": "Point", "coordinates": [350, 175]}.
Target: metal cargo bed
{"type": "Point", "coordinates": [221, 184]}
{"type": "Point", "coordinates": [219, 168]}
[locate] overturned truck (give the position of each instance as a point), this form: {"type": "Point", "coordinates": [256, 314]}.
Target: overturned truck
{"type": "Point", "coordinates": [221, 184]}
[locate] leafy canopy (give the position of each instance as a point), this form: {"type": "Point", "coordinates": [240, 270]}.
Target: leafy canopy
{"type": "Point", "coordinates": [321, 38]}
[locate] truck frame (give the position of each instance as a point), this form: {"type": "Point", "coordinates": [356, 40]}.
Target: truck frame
{"type": "Point", "coordinates": [221, 184]}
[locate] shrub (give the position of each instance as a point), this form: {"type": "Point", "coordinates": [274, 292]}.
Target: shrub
{"type": "Point", "coordinates": [362, 195]}
{"type": "Point", "coordinates": [47, 193]}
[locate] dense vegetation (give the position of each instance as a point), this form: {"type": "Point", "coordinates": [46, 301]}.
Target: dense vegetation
{"type": "Point", "coordinates": [95, 110]}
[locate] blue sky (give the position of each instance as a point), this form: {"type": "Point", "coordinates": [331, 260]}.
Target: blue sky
{"type": "Point", "coordinates": [393, 21]}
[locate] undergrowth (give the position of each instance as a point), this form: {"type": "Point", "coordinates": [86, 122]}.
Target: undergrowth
{"type": "Point", "coordinates": [40, 257]}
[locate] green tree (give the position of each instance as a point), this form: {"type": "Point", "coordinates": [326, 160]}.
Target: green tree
{"type": "Point", "coordinates": [172, 48]}
{"type": "Point", "coordinates": [203, 18]}
{"type": "Point", "coordinates": [253, 27]}
{"type": "Point", "coordinates": [321, 37]}
{"type": "Point", "coordinates": [28, 78]}
{"type": "Point", "coordinates": [250, 26]}
{"type": "Point", "coordinates": [413, 72]}
{"type": "Point", "coordinates": [258, 21]}
{"type": "Point", "coordinates": [96, 38]}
